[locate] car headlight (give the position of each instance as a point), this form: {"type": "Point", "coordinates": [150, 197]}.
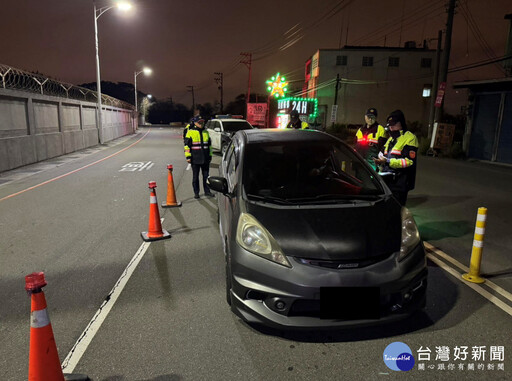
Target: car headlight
{"type": "Point", "coordinates": [253, 237]}
{"type": "Point", "coordinates": [410, 234]}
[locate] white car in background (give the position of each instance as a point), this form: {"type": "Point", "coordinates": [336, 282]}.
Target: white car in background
{"type": "Point", "coordinates": [223, 127]}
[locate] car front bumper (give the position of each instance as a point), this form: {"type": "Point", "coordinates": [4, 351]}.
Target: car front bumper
{"type": "Point", "coordinates": [267, 293]}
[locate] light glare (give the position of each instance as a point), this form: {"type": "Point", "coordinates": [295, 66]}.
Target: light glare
{"type": "Point", "coordinates": [124, 6]}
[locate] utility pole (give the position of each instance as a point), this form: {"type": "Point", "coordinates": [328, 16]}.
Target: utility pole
{"type": "Point", "coordinates": [248, 62]}
{"type": "Point", "coordinates": [336, 89]}
{"type": "Point", "coordinates": [334, 110]}
{"type": "Point", "coordinates": [191, 88]}
{"type": "Point", "coordinates": [446, 53]}
{"type": "Point", "coordinates": [435, 85]}
{"type": "Point", "coordinates": [508, 48]}
{"type": "Point", "coordinates": [220, 82]}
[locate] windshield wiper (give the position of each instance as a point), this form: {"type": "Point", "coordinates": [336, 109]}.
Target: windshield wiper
{"type": "Point", "coordinates": [337, 198]}
{"type": "Point", "coordinates": [273, 199]}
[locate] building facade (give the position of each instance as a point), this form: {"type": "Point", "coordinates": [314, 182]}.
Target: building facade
{"type": "Point", "coordinates": [488, 134]}
{"type": "Point", "coordinates": [386, 78]}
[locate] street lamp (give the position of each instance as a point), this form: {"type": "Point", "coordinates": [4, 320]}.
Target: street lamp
{"type": "Point", "coordinates": [124, 6]}
{"type": "Point", "coordinates": [146, 71]}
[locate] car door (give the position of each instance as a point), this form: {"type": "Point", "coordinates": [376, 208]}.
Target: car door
{"type": "Point", "coordinates": [210, 129]}
{"type": "Point", "coordinates": [215, 134]}
{"type": "Point", "coordinates": [231, 173]}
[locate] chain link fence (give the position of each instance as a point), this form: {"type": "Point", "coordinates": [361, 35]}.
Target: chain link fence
{"type": "Point", "coordinates": [16, 79]}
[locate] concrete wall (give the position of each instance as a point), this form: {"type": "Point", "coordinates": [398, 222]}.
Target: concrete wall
{"type": "Point", "coordinates": [36, 127]}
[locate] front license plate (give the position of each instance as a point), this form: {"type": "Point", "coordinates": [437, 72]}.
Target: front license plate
{"type": "Point", "coordinates": [349, 303]}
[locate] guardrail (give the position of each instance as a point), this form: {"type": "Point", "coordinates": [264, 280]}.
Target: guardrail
{"type": "Point", "coordinates": [16, 79]}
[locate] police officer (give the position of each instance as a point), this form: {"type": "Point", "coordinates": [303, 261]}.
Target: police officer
{"type": "Point", "coordinates": [190, 124]}
{"type": "Point", "coordinates": [295, 122]}
{"type": "Point", "coordinates": [370, 138]}
{"type": "Point", "coordinates": [399, 157]}
{"type": "Point", "coordinates": [198, 152]}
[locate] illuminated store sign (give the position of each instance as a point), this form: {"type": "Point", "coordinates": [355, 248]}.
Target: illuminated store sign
{"type": "Point", "coordinates": [304, 106]}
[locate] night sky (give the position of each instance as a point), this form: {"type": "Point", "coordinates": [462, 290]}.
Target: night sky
{"type": "Point", "coordinates": [185, 42]}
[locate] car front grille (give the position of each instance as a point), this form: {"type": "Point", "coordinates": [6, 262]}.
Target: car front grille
{"type": "Point", "coordinates": [342, 264]}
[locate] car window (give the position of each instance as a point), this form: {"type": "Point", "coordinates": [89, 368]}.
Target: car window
{"type": "Point", "coordinates": [232, 164]}
{"type": "Point", "coordinates": [306, 170]}
{"type": "Point", "coordinates": [236, 126]}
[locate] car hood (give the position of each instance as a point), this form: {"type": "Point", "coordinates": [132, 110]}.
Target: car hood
{"type": "Point", "coordinates": [345, 232]}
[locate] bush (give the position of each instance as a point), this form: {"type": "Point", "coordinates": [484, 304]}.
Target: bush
{"type": "Point", "coordinates": [337, 128]}
{"type": "Point", "coordinates": [417, 128]}
{"type": "Point", "coordinates": [456, 151]}
{"type": "Point", "coordinates": [424, 145]}
{"type": "Point", "coordinates": [343, 132]}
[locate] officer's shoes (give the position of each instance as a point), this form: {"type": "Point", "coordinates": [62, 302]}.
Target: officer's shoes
{"type": "Point", "coordinates": [209, 194]}
{"type": "Point", "coordinates": [196, 196]}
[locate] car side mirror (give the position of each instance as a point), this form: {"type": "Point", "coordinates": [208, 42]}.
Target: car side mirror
{"type": "Point", "coordinates": [217, 129]}
{"type": "Point", "coordinates": [218, 184]}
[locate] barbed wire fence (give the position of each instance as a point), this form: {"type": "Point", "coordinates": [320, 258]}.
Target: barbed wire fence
{"type": "Point", "coordinates": [16, 79]}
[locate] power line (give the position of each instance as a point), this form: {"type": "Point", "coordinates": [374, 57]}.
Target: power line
{"type": "Point", "coordinates": [479, 64]}
{"type": "Point", "coordinates": [475, 30]}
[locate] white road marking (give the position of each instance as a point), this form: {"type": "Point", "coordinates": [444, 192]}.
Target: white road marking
{"type": "Point", "coordinates": [74, 171]}
{"type": "Point", "coordinates": [488, 283]}
{"type": "Point", "coordinates": [76, 353]}
{"type": "Point", "coordinates": [486, 294]}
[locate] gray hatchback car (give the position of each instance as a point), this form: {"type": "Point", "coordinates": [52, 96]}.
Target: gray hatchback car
{"type": "Point", "coordinates": [312, 235]}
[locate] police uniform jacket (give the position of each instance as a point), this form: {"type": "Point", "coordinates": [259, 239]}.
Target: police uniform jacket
{"type": "Point", "coordinates": [185, 130]}
{"type": "Point", "coordinates": [370, 141]}
{"type": "Point", "coordinates": [299, 125]}
{"type": "Point", "coordinates": [198, 146]}
{"type": "Point", "coordinates": [400, 156]}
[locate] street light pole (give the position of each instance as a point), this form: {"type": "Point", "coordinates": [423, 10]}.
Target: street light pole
{"type": "Point", "coordinates": [98, 80]}
{"type": "Point", "coordinates": [97, 13]}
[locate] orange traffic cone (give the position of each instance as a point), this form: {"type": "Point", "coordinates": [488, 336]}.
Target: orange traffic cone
{"type": "Point", "coordinates": [43, 361]}
{"type": "Point", "coordinates": [155, 231]}
{"type": "Point", "coordinates": [171, 196]}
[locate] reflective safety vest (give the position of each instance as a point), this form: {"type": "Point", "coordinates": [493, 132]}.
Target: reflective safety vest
{"type": "Point", "coordinates": [198, 146]}
{"type": "Point", "coordinates": [303, 126]}
{"type": "Point", "coordinates": [401, 159]}
{"type": "Point", "coordinates": [370, 141]}
{"type": "Point", "coordinates": [185, 130]}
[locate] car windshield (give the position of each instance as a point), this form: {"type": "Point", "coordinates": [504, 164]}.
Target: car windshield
{"type": "Point", "coordinates": [307, 172]}
{"type": "Point", "coordinates": [236, 126]}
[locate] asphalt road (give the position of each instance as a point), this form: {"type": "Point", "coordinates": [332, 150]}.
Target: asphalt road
{"type": "Point", "coordinates": [171, 321]}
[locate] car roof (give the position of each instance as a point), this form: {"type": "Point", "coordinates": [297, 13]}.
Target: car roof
{"type": "Point", "coordinates": [285, 135]}
{"type": "Point", "coordinates": [230, 120]}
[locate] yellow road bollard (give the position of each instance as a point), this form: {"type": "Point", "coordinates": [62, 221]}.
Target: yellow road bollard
{"type": "Point", "coordinates": [476, 253]}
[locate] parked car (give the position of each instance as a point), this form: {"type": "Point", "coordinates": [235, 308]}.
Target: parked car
{"type": "Point", "coordinates": [222, 128]}
{"type": "Point", "coordinates": [312, 234]}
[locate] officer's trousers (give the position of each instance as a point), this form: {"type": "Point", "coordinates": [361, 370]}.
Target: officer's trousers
{"type": "Point", "coordinates": [205, 169]}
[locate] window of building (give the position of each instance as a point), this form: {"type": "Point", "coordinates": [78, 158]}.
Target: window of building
{"type": "Point", "coordinates": [394, 61]}
{"type": "Point", "coordinates": [427, 91]}
{"type": "Point", "coordinates": [341, 60]}
{"type": "Point", "coordinates": [367, 61]}
{"type": "Point", "coordinates": [426, 62]}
